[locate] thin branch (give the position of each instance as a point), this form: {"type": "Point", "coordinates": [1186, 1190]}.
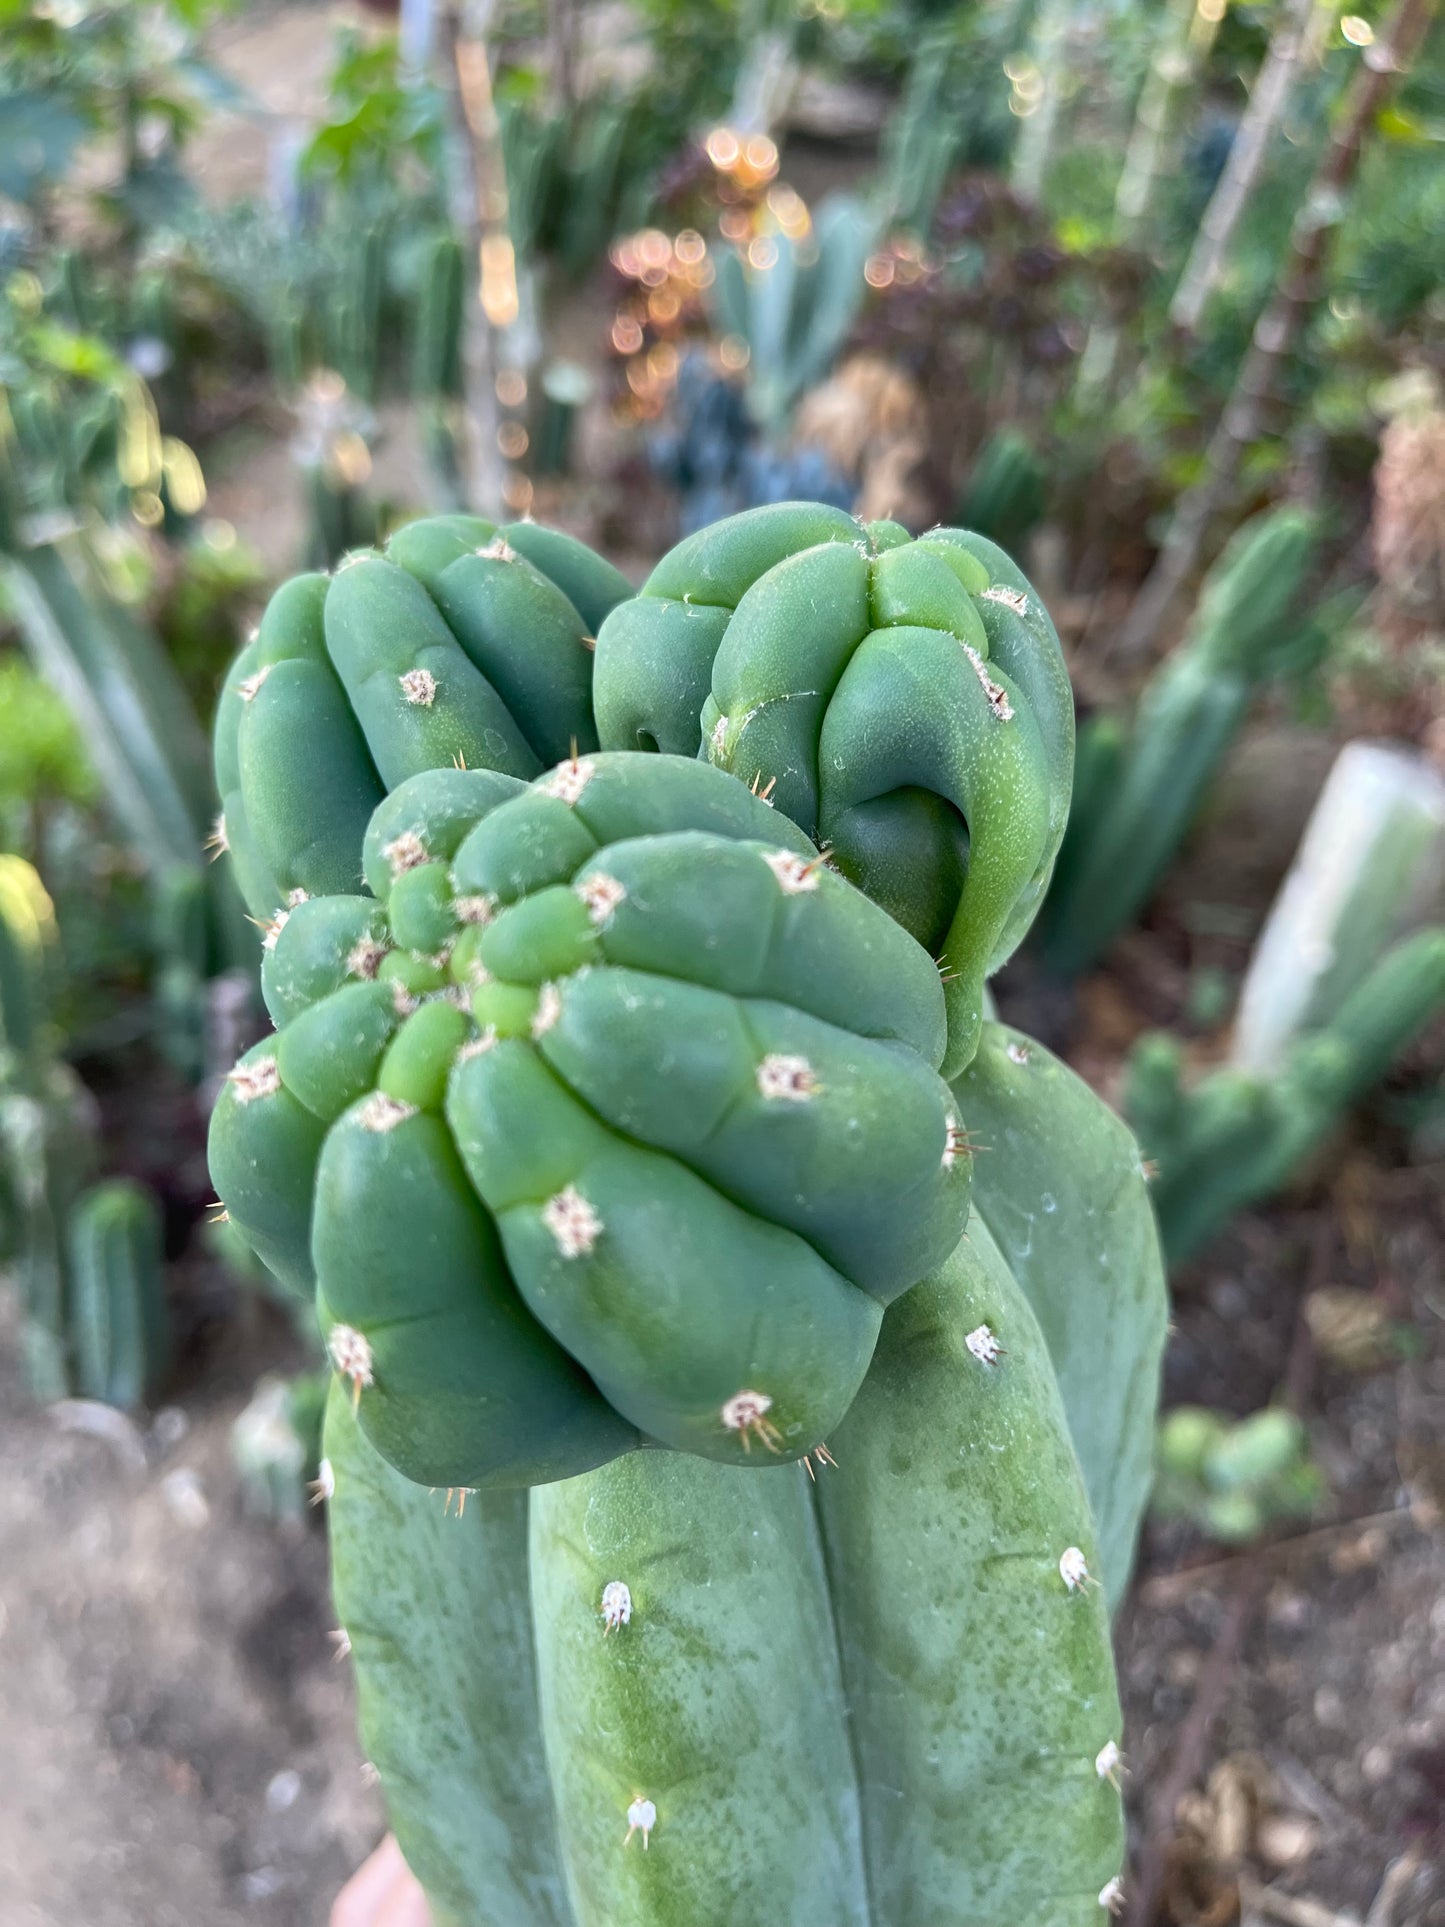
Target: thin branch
{"type": "Point", "coordinates": [1278, 328]}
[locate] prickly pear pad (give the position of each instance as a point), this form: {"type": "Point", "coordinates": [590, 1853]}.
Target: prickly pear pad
{"type": "Point", "coordinates": [905, 702]}
{"type": "Point", "coordinates": [460, 644]}
{"type": "Point", "coordinates": [614, 1115]}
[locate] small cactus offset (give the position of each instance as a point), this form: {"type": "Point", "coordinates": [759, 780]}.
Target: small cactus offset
{"type": "Point", "coordinates": [462, 645]}
{"type": "Point", "coordinates": [606, 1111]}
{"type": "Point", "coordinates": [905, 702]}
{"type": "Point", "coordinates": [623, 1035]}
{"type": "Point", "coordinates": [1234, 1478]}
{"type": "Point", "coordinates": [118, 1317]}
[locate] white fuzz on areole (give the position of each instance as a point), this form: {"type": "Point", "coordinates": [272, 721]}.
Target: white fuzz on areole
{"type": "Point", "coordinates": [364, 958]}
{"type": "Point", "coordinates": [717, 742]}
{"type": "Point", "coordinates": [478, 1046]}
{"type": "Point", "coordinates": [794, 875]}
{"type": "Point", "coordinates": [1014, 599]}
{"type": "Point", "coordinates": [1111, 1896]}
{"type": "Point", "coordinates": [572, 1222]}
{"type": "Point", "coordinates": [418, 687]}
{"type": "Point", "coordinates": [746, 1413]}
{"type": "Point", "coordinates": [323, 1486]}
{"type": "Point", "coordinates": [641, 1818]}
{"type": "Point", "coordinates": [1018, 1053]}
{"type": "Point", "coordinates": [382, 1113]}
{"type": "Point", "coordinates": [549, 1009]}
{"type": "Point", "coordinates": [404, 852]}
{"type": "Point", "coordinates": [1108, 1762]}
{"type": "Point", "coordinates": [350, 1352]}
{"type": "Point", "coordinates": [997, 695]}
{"type": "Point", "coordinates": [341, 1641]}
{"type": "Point", "coordinates": [402, 1001]}
{"type": "Point", "coordinates": [476, 909]}
{"type": "Point", "coordinates": [249, 687]}
{"type": "Point", "coordinates": [295, 898]}
{"type": "Point", "coordinates": [983, 1345]}
{"type": "Point", "coordinates": [790, 1078]}
{"type": "Point", "coordinates": [499, 549]}
{"type": "Point", "coordinates": [954, 1141]}
{"type": "Point", "coordinates": [250, 1081]}
{"type": "Point", "coordinates": [271, 929]}
{"type": "Point", "coordinates": [568, 780]}
{"type": "Point", "coordinates": [1074, 1569]}
{"type": "Point", "coordinates": [601, 894]}
{"type": "Point", "coordinates": [217, 842]}
{"type": "Point", "coordinates": [616, 1605]}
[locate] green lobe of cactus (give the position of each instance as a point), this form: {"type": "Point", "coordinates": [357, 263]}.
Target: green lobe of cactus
{"type": "Point", "coordinates": [614, 1115]}
{"type": "Point", "coordinates": [905, 702]}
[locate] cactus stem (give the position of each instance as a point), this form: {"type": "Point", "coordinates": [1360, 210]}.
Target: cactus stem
{"type": "Point", "coordinates": [997, 695]}
{"type": "Point", "coordinates": [249, 688]}
{"type": "Point", "coordinates": [216, 843]}
{"type": "Point", "coordinates": [1111, 1896]}
{"type": "Point", "coordinates": [418, 687]}
{"type": "Point", "coordinates": [1109, 1764]}
{"type": "Point", "coordinates": [341, 1641]}
{"type": "Point", "coordinates": [601, 894]}
{"type": "Point", "coordinates": [569, 779]}
{"type": "Point", "coordinates": [478, 1046]}
{"type": "Point", "coordinates": [823, 1456]}
{"type": "Point", "coordinates": [1074, 1570]}
{"type": "Point", "coordinates": [794, 876]}
{"type": "Point", "coordinates": [641, 1818]}
{"type": "Point", "coordinates": [1014, 599]}
{"type": "Point", "coordinates": [792, 1079]}
{"type": "Point", "coordinates": [549, 1009]}
{"type": "Point", "coordinates": [323, 1487]}
{"type": "Point", "coordinates": [616, 1605]}
{"type": "Point", "coordinates": [1018, 1053]}
{"type": "Point", "coordinates": [746, 1413]}
{"type": "Point", "coordinates": [474, 909]}
{"type": "Point", "coordinates": [984, 1346]}
{"type": "Point", "coordinates": [261, 1079]}
{"type": "Point", "coordinates": [350, 1353]}
{"type": "Point", "coordinates": [404, 852]}
{"type": "Point", "coordinates": [382, 1113]}
{"type": "Point", "coordinates": [761, 790]}
{"type": "Point", "coordinates": [364, 958]}
{"type": "Point", "coordinates": [572, 1222]}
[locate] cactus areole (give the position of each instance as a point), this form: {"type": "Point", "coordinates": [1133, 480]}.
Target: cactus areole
{"type": "Point", "coordinates": [905, 702]}
{"type": "Point", "coordinates": [611, 1116]}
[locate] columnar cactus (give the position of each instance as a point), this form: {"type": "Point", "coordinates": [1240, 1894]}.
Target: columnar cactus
{"type": "Point", "coordinates": [904, 702]}
{"type": "Point", "coordinates": [623, 1036]}
{"type": "Point", "coordinates": [118, 1315]}
{"type": "Point", "coordinates": [611, 1115]}
{"type": "Point", "coordinates": [463, 644]}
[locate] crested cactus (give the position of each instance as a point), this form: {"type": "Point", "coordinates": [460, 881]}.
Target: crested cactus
{"type": "Point", "coordinates": [905, 702]}
{"type": "Point", "coordinates": [605, 1112]}
{"type": "Point", "coordinates": [622, 1035]}
{"type": "Point", "coordinates": [462, 644]}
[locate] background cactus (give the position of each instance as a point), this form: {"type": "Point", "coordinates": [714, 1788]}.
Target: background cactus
{"type": "Point", "coordinates": [118, 1319]}
{"type": "Point", "coordinates": [1138, 791]}
{"type": "Point", "coordinates": [1234, 1478]}
{"type": "Point", "coordinates": [624, 1028]}
{"type": "Point", "coordinates": [905, 702]}
{"type": "Point", "coordinates": [1234, 1138]}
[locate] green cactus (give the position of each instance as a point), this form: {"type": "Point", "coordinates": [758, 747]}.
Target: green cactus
{"type": "Point", "coordinates": [1234, 1478]}
{"type": "Point", "coordinates": [1006, 493]}
{"type": "Point", "coordinates": [461, 645]}
{"type": "Point", "coordinates": [1236, 1138]}
{"type": "Point", "coordinates": [692, 1693]}
{"type": "Point", "coordinates": [118, 1319]}
{"type": "Point", "coordinates": [1139, 794]}
{"type": "Point", "coordinates": [276, 1444]}
{"type": "Point", "coordinates": [905, 702]}
{"type": "Point", "coordinates": [622, 1036]}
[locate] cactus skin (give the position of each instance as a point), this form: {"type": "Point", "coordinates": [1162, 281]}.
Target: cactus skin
{"type": "Point", "coordinates": [1138, 799]}
{"type": "Point", "coordinates": [118, 1305]}
{"type": "Point", "coordinates": [625, 1021]}
{"type": "Point", "coordinates": [906, 700]}
{"type": "Point", "coordinates": [454, 646]}
{"type": "Point", "coordinates": [1235, 1139]}
{"type": "Point", "coordinates": [947, 1776]}
{"type": "Point", "coordinates": [1059, 1183]}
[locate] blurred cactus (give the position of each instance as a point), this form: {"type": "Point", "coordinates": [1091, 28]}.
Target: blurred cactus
{"type": "Point", "coordinates": [575, 177]}
{"type": "Point", "coordinates": [1235, 1139]}
{"type": "Point", "coordinates": [1234, 1479]}
{"type": "Point", "coordinates": [276, 1444]}
{"type": "Point", "coordinates": [1139, 792]}
{"type": "Point", "coordinates": [117, 1313]}
{"type": "Point", "coordinates": [795, 305]}
{"type": "Point", "coordinates": [1005, 495]}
